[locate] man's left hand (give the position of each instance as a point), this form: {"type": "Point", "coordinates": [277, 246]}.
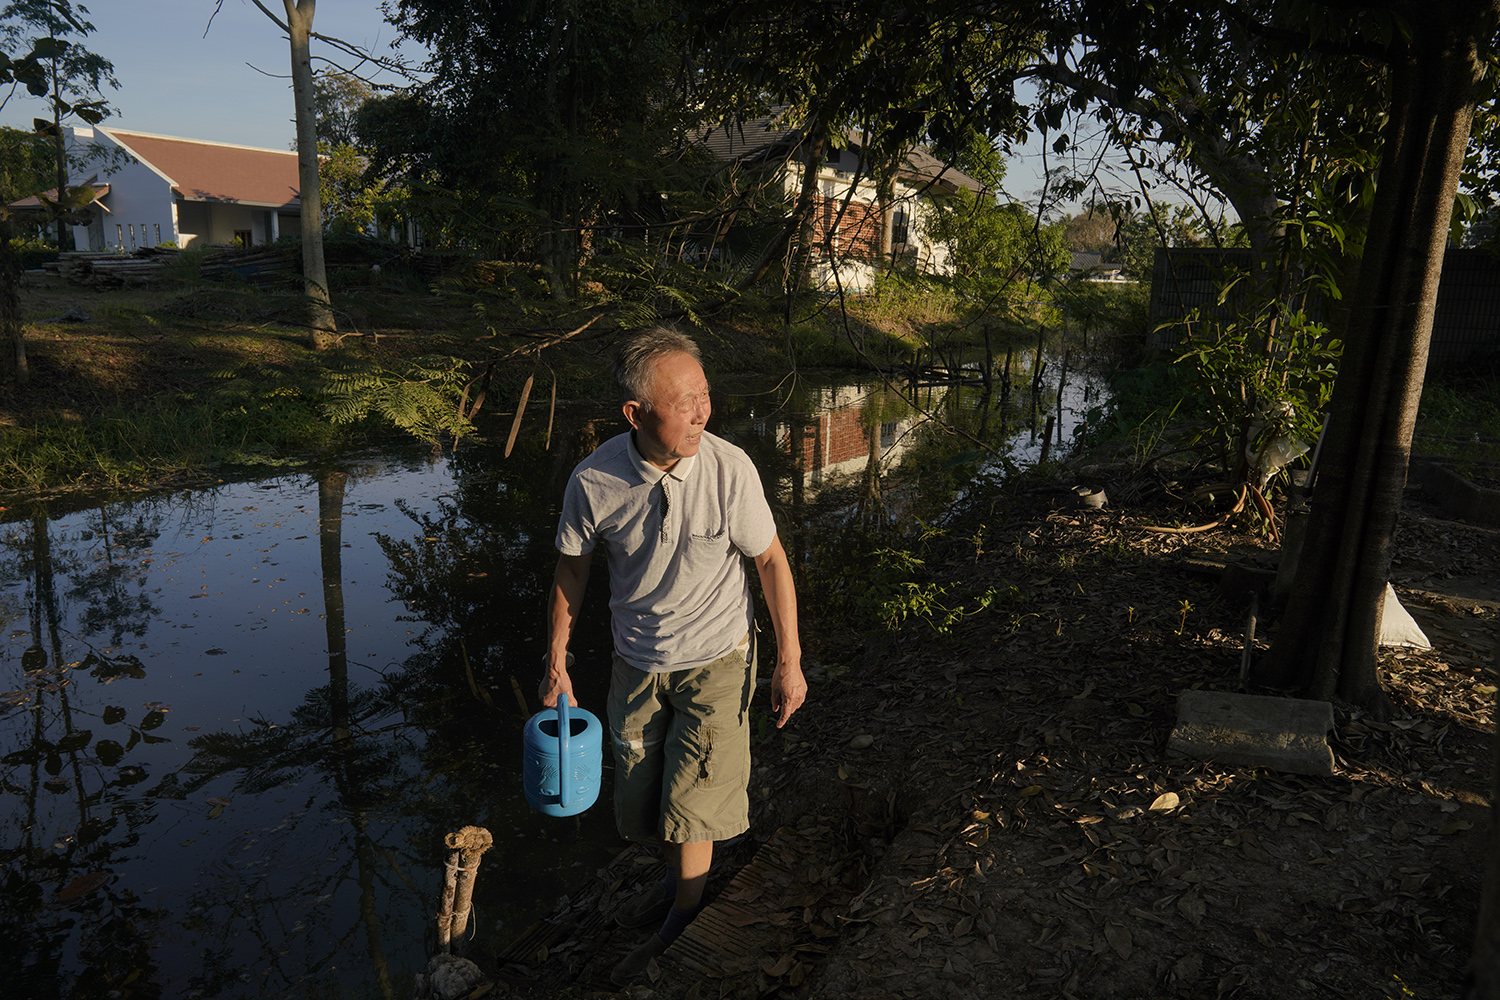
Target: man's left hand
{"type": "Point", "coordinates": [788, 691]}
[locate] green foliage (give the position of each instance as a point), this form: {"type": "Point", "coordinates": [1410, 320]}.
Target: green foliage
{"type": "Point", "coordinates": [892, 597]}
{"type": "Point", "coordinates": [565, 110]}
{"type": "Point", "coordinates": [77, 76]}
{"type": "Point", "coordinates": [33, 253]}
{"type": "Point", "coordinates": [28, 164]}
{"type": "Point", "coordinates": [337, 100]}
{"type": "Point", "coordinates": [881, 582]}
{"type": "Point", "coordinates": [1120, 309]}
{"type": "Point", "coordinates": [350, 202]}
{"type": "Point", "coordinates": [990, 244]}
{"type": "Point", "coordinates": [422, 397]}
{"type": "Point", "coordinates": [1251, 393]}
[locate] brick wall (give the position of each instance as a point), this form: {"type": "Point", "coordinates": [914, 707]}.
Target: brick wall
{"type": "Point", "coordinates": [837, 436]}
{"type": "Point", "coordinates": [858, 232]}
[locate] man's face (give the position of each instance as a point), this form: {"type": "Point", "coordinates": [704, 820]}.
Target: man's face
{"type": "Point", "coordinates": [673, 427]}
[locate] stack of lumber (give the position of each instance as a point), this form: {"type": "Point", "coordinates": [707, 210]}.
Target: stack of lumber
{"type": "Point", "coordinates": [246, 265]}
{"type": "Point", "coordinates": [105, 268]}
{"type": "Point", "coordinates": [148, 264]}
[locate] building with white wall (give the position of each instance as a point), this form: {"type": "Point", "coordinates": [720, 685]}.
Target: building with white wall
{"type": "Point", "coordinates": [852, 229]}
{"type": "Point", "coordinates": [155, 189]}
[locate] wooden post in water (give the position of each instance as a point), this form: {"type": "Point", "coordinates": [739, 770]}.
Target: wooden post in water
{"type": "Point", "coordinates": [1036, 377]}
{"type": "Point", "coordinates": [1062, 383]}
{"type": "Point", "coordinates": [1046, 440]}
{"type": "Point", "coordinates": [989, 361]}
{"type": "Point", "coordinates": [467, 845]}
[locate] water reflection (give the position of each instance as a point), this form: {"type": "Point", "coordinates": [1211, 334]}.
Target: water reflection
{"type": "Point", "coordinates": [236, 724]}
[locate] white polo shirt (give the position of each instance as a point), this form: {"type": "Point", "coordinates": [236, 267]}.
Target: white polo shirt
{"type": "Point", "coordinates": [676, 544]}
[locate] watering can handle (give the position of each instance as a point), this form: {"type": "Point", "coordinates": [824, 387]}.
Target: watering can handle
{"type": "Point", "coordinates": [562, 756]}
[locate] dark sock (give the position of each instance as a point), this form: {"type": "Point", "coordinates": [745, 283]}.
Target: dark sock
{"type": "Point", "coordinates": [670, 879]}
{"type": "Point", "coordinates": [676, 922]}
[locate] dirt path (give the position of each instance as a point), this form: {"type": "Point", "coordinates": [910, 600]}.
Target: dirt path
{"type": "Point", "coordinates": [995, 814]}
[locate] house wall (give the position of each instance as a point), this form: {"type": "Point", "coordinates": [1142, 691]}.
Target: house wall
{"type": "Point", "coordinates": [857, 232]}
{"type": "Point", "coordinates": [139, 202]}
{"type": "Point", "coordinates": [144, 211]}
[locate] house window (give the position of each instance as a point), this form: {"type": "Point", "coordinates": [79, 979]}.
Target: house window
{"type": "Point", "coordinates": [898, 226]}
{"type": "Point", "coordinates": [242, 237]}
{"type": "Point", "coordinates": [119, 236]}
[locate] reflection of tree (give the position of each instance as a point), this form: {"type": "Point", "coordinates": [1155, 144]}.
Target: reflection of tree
{"type": "Point", "coordinates": [60, 909]}
{"type": "Point", "coordinates": [110, 604]}
{"type": "Point", "coordinates": [328, 735]}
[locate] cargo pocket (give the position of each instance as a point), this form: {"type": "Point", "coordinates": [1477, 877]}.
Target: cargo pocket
{"type": "Point", "coordinates": [705, 747]}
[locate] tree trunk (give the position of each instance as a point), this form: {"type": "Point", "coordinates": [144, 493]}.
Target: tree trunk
{"type": "Point", "coordinates": [1328, 643]}
{"type": "Point", "coordinates": [322, 329]}
{"type": "Point", "coordinates": [64, 229]}
{"type": "Point", "coordinates": [14, 332]}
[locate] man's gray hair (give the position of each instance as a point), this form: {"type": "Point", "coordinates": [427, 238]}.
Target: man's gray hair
{"type": "Point", "coordinates": [635, 363]}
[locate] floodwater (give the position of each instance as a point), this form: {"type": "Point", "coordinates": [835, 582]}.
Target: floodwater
{"type": "Point", "coordinates": [237, 723]}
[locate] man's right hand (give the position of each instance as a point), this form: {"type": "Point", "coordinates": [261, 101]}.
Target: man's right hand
{"type": "Point", "coordinates": [555, 681]}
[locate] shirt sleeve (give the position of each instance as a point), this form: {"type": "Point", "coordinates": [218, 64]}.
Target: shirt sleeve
{"type": "Point", "coordinates": [751, 526]}
{"type": "Point", "coordinates": [576, 531]}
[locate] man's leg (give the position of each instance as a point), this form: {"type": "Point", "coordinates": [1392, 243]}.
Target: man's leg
{"type": "Point", "coordinates": [691, 863]}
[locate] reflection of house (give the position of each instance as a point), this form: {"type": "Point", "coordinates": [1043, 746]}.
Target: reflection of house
{"type": "Point", "coordinates": [185, 191]}
{"type": "Point", "coordinates": [848, 217]}
{"type": "Point", "coordinates": [836, 438]}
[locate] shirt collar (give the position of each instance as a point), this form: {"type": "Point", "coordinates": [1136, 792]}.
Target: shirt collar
{"type": "Point", "coordinates": [650, 473]}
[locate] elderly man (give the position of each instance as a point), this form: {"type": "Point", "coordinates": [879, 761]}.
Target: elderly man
{"type": "Point", "coordinates": [677, 510]}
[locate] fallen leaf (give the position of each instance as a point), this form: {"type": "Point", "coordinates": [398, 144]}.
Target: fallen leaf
{"type": "Point", "coordinates": [82, 886]}
{"type": "Point", "coordinates": [1165, 802]}
{"type": "Point", "coordinates": [778, 967]}
{"type": "Point", "coordinates": [1118, 936]}
{"type": "Point", "coordinates": [1192, 907]}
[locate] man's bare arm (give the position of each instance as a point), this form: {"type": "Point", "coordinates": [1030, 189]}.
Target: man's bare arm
{"type": "Point", "coordinates": [788, 687]}
{"type": "Point", "coordinates": [568, 583]}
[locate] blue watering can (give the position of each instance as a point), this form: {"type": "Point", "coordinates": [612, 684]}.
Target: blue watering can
{"type": "Point", "coordinates": [561, 764]}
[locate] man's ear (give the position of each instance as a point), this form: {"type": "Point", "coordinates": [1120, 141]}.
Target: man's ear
{"type": "Point", "coordinates": [632, 410]}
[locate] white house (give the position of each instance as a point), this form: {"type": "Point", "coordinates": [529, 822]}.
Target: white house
{"type": "Point", "coordinates": [184, 191]}
{"type": "Point", "coordinates": [855, 231]}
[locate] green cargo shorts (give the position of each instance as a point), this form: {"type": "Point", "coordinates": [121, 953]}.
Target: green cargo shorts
{"type": "Point", "coordinates": [682, 749]}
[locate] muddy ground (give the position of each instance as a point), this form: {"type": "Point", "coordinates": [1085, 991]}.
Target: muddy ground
{"type": "Point", "coordinates": [995, 814]}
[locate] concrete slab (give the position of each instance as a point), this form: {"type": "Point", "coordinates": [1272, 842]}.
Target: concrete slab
{"type": "Point", "coordinates": [1288, 734]}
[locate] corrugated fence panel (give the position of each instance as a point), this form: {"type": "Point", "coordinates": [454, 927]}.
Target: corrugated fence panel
{"type": "Point", "coordinates": [1466, 321]}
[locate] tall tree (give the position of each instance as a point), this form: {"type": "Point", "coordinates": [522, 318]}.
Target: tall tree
{"type": "Point", "coordinates": [77, 77]}
{"type": "Point", "coordinates": [337, 98]}
{"type": "Point", "coordinates": [321, 327]}
{"type": "Point", "coordinates": [553, 114]}
{"type": "Point", "coordinates": [1441, 57]}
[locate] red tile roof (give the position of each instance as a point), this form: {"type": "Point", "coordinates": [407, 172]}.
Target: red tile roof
{"type": "Point", "coordinates": [215, 171]}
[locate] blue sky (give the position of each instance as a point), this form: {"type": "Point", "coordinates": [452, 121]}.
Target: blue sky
{"type": "Point", "coordinates": [175, 80]}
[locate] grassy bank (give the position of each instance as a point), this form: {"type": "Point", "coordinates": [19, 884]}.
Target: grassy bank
{"type": "Point", "coordinates": [192, 379]}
